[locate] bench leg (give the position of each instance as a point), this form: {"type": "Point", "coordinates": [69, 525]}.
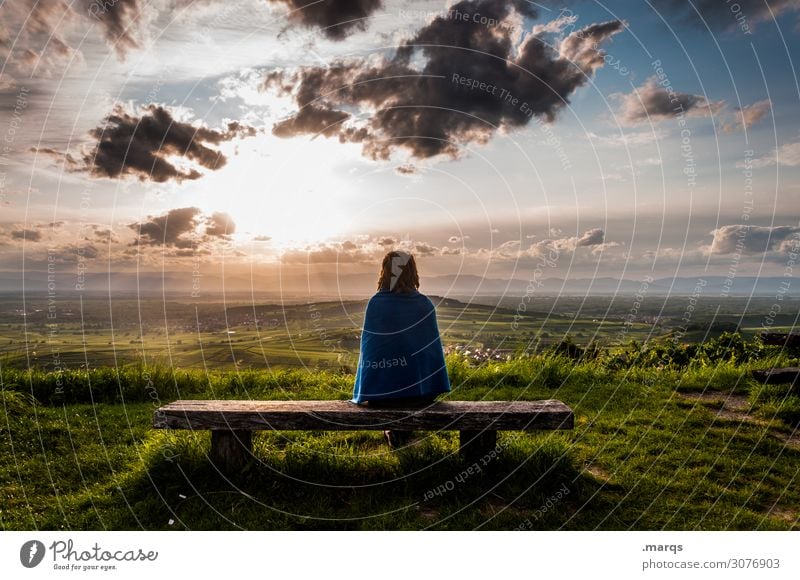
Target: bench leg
{"type": "Point", "coordinates": [231, 450]}
{"type": "Point", "coordinates": [475, 444]}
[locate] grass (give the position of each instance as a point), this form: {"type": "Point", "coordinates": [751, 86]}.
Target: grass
{"type": "Point", "coordinates": [77, 452]}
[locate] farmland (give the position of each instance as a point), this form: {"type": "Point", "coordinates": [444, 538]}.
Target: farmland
{"type": "Point", "coordinates": [325, 334]}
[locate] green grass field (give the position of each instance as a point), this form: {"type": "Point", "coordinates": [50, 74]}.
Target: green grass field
{"type": "Point", "coordinates": [698, 446]}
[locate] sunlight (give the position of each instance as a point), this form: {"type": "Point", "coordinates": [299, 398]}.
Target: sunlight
{"type": "Point", "coordinates": [270, 189]}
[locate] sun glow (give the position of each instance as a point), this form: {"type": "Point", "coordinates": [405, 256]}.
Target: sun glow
{"type": "Point", "coordinates": [271, 189]}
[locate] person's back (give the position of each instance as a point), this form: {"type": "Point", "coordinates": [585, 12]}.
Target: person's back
{"type": "Point", "coordinates": [401, 360]}
{"type": "Point", "coordinates": [401, 352]}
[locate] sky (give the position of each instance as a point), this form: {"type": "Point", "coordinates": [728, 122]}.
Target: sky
{"type": "Point", "coordinates": [626, 139]}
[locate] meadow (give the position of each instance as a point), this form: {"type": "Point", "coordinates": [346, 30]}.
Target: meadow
{"type": "Point", "coordinates": [667, 436]}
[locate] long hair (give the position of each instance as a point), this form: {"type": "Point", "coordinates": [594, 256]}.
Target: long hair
{"type": "Point", "coordinates": [398, 272]}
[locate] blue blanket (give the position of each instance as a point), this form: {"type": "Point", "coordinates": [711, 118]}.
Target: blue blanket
{"type": "Point", "coordinates": [401, 352]}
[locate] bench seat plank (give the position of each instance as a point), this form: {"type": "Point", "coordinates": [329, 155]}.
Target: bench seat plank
{"type": "Point", "coordinates": [778, 375]}
{"type": "Point", "coordinates": [780, 339]}
{"type": "Point", "coordinates": [346, 416]}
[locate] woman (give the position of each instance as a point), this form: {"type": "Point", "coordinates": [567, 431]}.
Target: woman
{"type": "Point", "coordinates": [401, 361]}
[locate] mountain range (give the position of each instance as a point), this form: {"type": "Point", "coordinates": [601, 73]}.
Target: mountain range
{"type": "Point", "coordinates": [177, 284]}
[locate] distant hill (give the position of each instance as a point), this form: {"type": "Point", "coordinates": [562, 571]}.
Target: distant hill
{"type": "Point", "coordinates": [331, 285]}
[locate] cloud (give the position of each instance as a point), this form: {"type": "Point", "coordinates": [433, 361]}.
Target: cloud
{"type": "Point", "coordinates": [509, 250]}
{"type": "Point", "coordinates": [140, 146]}
{"type": "Point", "coordinates": [120, 21]}
{"type": "Point", "coordinates": [220, 224]}
{"type": "Point", "coordinates": [80, 251]}
{"type": "Point", "coordinates": [747, 239]}
{"type": "Point", "coordinates": [582, 46]}
{"type": "Point", "coordinates": [648, 162]}
{"type": "Point", "coordinates": [336, 19]}
{"type": "Point", "coordinates": [747, 116]}
{"type": "Point", "coordinates": [47, 34]}
{"type": "Point", "coordinates": [329, 253]}
{"type": "Point", "coordinates": [591, 237]}
{"type": "Point", "coordinates": [438, 104]}
{"type": "Point", "coordinates": [590, 242]}
{"type": "Point", "coordinates": [724, 15]}
{"type": "Point", "coordinates": [169, 229]}
{"type": "Point", "coordinates": [629, 138]}
{"type": "Point", "coordinates": [39, 41]}
{"type": "Point", "coordinates": [27, 235]}
{"type": "Point", "coordinates": [425, 249]}
{"type": "Point", "coordinates": [181, 233]}
{"type": "Point", "coordinates": [366, 250]}
{"type": "Point", "coordinates": [9, 93]}
{"type": "Point", "coordinates": [105, 235]}
{"type": "Point", "coordinates": [311, 120]}
{"type": "Point", "coordinates": [787, 155]}
{"type": "Point", "coordinates": [556, 25]}
{"type": "Point", "coordinates": [652, 102]}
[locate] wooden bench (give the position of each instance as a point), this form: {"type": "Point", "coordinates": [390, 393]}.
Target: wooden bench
{"type": "Point", "coordinates": [232, 422]}
{"type": "Point", "coordinates": [780, 376]}
{"type": "Point", "coordinates": [780, 339]}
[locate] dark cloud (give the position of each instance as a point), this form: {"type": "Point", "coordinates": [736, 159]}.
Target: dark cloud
{"type": "Point", "coordinates": [119, 20]}
{"type": "Point", "coordinates": [723, 15]}
{"type": "Point", "coordinates": [336, 19]}
{"type": "Point", "coordinates": [106, 235]}
{"type": "Point", "coordinates": [185, 228]}
{"type": "Point", "coordinates": [746, 239]}
{"type": "Point", "coordinates": [311, 120]}
{"type": "Point", "coordinates": [652, 102]}
{"type": "Point", "coordinates": [591, 237]}
{"type": "Point", "coordinates": [86, 251]}
{"type": "Point", "coordinates": [173, 228]}
{"type": "Point", "coordinates": [139, 146]}
{"type": "Point", "coordinates": [434, 108]}
{"type": "Point", "coordinates": [425, 249]}
{"type": "Point", "coordinates": [26, 234]}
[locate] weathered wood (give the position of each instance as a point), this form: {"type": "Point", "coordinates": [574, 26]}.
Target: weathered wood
{"type": "Point", "coordinates": [475, 445]}
{"type": "Point", "coordinates": [346, 416]}
{"type": "Point", "coordinates": [780, 339]}
{"type": "Point", "coordinates": [775, 376]}
{"type": "Point", "coordinates": [231, 450]}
